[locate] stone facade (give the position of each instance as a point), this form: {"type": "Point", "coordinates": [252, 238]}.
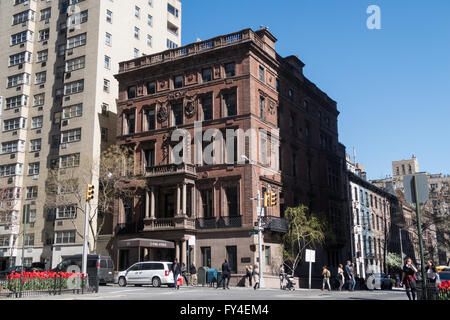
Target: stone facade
{"type": "Point", "coordinates": [234, 81]}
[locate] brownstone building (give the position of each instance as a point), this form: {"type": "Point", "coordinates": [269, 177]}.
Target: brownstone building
{"type": "Point", "coordinates": [203, 210]}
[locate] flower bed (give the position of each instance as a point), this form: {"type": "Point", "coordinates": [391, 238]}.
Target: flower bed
{"type": "Point", "coordinates": [43, 281]}
{"type": "Point", "coordinates": [444, 290]}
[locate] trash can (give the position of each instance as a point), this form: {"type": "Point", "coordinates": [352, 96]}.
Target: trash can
{"type": "Point", "coordinates": [431, 291]}
{"type": "Point", "coordinates": [201, 275]}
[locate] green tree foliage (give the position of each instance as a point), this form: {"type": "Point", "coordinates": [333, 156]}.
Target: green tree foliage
{"type": "Point", "coordinates": [305, 230]}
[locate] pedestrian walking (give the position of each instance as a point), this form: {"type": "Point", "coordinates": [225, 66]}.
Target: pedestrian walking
{"type": "Point", "coordinates": [341, 277]}
{"type": "Point", "coordinates": [226, 274]}
{"type": "Point", "coordinates": [193, 272]}
{"type": "Point", "coordinates": [397, 281]}
{"type": "Point", "coordinates": [409, 278]}
{"type": "Point", "coordinates": [176, 270]}
{"type": "Point", "coordinates": [249, 274]}
{"type": "Point", "coordinates": [281, 276]}
{"type": "Point", "coordinates": [256, 276]}
{"type": "Point", "coordinates": [326, 274]}
{"type": "Point", "coordinates": [432, 273]}
{"type": "Point", "coordinates": [184, 273]}
{"type": "Point", "coordinates": [349, 276]}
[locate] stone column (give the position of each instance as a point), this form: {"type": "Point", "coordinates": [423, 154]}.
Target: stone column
{"type": "Point", "coordinates": [183, 252]}
{"type": "Point", "coordinates": [152, 203]}
{"type": "Point", "coordinates": [193, 202]}
{"type": "Point", "coordinates": [177, 251]}
{"type": "Point", "coordinates": [147, 204]}
{"type": "Point", "coordinates": [184, 199]}
{"type": "Point", "coordinates": [178, 200]}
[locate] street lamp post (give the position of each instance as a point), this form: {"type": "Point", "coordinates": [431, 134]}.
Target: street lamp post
{"type": "Point", "coordinates": [259, 212]}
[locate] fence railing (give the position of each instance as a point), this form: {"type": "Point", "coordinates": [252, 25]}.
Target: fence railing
{"type": "Point", "coordinates": [16, 285]}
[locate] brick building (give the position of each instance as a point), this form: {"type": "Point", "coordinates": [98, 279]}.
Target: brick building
{"type": "Point", "coordinates": [203, 210]}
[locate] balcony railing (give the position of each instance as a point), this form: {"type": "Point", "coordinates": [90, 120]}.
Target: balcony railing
{"type": "Point", "coordinates": [170, 169]}
{"type": "Point", "coordinates": [169, 224]}
{"type": "Point", "coordinates": [194, 48]}
{"type": "Point", "coordinates": [218, 223]}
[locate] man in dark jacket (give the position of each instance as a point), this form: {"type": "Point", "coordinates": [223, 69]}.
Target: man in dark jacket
{"type": "Point", "coordinates": [193, 272]}
{"type": "Point", "coordinates": [349, 276]}
{"type": "Point", "coordinates": [226, 274]}
{"type": "Point", "coordinates": [176, 270]}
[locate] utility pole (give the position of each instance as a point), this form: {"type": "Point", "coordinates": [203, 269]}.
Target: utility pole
{"type": "Point", "coordinates": [89, 196]}
{"type": "Point", "coordinates": [419, 229]}
{"type": "Point", "coordinates": [401, 245]}
{"type": "Point", "coordinates": [259, 212]}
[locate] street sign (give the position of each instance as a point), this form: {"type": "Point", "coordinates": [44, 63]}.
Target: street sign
{"type": "Point", "coordinates": [191, 240]}
{"type": "Point", "coordinates": [250, 233]}
{"type": "Point", "coordinates": [422, 187]}
{"type": "Point", "coordinates": [310, 255]}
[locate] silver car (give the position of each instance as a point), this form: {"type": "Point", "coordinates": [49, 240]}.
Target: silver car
{"type": "Point", "coordinates": [155, 273]}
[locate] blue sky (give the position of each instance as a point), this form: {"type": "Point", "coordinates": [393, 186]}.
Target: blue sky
{"type": "Point", "coordinates": [392, 85]}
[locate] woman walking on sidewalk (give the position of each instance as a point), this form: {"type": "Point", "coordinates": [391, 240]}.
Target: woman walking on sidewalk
{"type": "Point", "coordinates": [256, 276]}
{"type": "Point", "coordinates": [281, 276]}
{"type": "Point", "coordinates": [409, 278]}
{"type": "Point", "coordinates": [326, 278]}
{"type": "Point", "coordinates": [341, 276]}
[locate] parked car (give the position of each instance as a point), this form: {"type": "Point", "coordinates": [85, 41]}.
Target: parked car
{"type": "Point", "coordinates": [98, 266]}
{"type": "Point", "coordinates": [155, 273]}
{"type": "Point", "coordinates": [379, 281]}
{"type": "Point", "coordinates": [444, 273]}
{"type": "Point", "coordinates": [17, 269]}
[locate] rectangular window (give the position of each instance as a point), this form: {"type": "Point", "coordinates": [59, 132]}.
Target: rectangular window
{"type": "Point", "coordinates": [104, 134]}
{"type": "Point", "coordinates": [14, 124]}
{"type": "Point", "coordinates": [69, 161]}
{"type": "Point", "coordinates": [172, 10]}
{"type": "Point", "coordinates": [75, 64]}
{"type": "Point", "coordinates": [267, 255]}
{"type": "Point", "coordinates": [105, 85]}
{"type": "Point", "coordinates": [177, 82]}
{"type": "Point", "coordinates": [107, 62]}
{"type": "Point", "coordinates": [36, 122]}
{"type": "Point", "coordinates": [207, 203]}
{"type": "Point", "coordinates": [21, 37]}
{"type": "Point", "coordinates": [71, 136]}
{"type": "Point", "coordinates": [150, 20]}
{"type": "Point", "coordinates": [18, 79]}
{"type": "Point", "coordinates": [137, 11]}
{"type": "Point", "coordinates": [78, 18]}
{"type": "Point", "coordinates": [33, 169]}
{"type": "Point", "coordinates": [108, 39]}
{"type": "Point", "coordinates": [11, 170]}
{"type": "Point", "coordinates": [131, 92]}
{"type": "Point", "coordinates": [261, 74]}
{"type": "Point", "coordinates": [206, 256]}
{"type": "Point", "coordinates": [42, 56]}
{"type": "Point", "coordinates": [41, 77]}
{"type": "Point", "coordinates": [65, 236]}
{"type": "Point", "coordinates": [130, 123]}
{"type": "Point", "coordinates": [13, 146]}
{"type": "Point", "coordinates": [19, 58]}
{"type": "Point", "coordinates": [230, 104]}
{"type": "Point", "coordinates": [105, 109]}
{"type": "Point", "coordinates": [149, 40]}
{"type": "Point", "coordinates": [232, 258]}
{"type": "Point", "coordinates": [149, 156]}
{"type": "Point", "coordinates": [66, 212]}
{"type": "Point", "coordinates": [109, 16]}
{"type": "Point", "coordinates": [262, 102]}
{"type": "Point", "coordinates": [74, 87]}
{"type": "Point", "coordinates": [136, 53]}
{"type": "Point", "coordinates": [151, 87]}
{"type": "Point", "coordinates": [17, 101]}
{"type": "Point", "coordinates": [230, 69]}
{"type": "Point", "coordinates": [207, 108]}
{"type": "Point", "coordinates": [29, 241]}
{"type": "Point", "coordinates": [177, 110]}
{"type": "Point", "coordinates": [171, 44]}
{"type": "Point", "coordinates": [76, 41]}
{"type": "Point", "coordinates": [231, 194]}
{"type": "Point", "coordinates": [32, 192]}
{"type": "Point", "coordinates": [150, 119]}
{"type": "Point", "coordinates": [46, 13]}
{"type": "Point", "coordinates": [35, 145]}
{"type": "Point", "coordinates": [44, 34]}
{"type": "Point", "coordinates": [23, 17]}
{"type": "Point", "coordinates": [136, 32]}
{"type": "Point", "coordinates": [72, 111]}
{"type": "Point", "coordinates": [206, 75]}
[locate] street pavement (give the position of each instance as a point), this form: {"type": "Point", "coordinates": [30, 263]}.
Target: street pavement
{"type": "Point", "coordinates": [114, 292]}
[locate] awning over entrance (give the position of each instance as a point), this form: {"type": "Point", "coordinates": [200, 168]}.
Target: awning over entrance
{"type": "Point", "coordinates": [145, 243]}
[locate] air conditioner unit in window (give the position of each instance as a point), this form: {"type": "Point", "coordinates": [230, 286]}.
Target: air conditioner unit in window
{"type": "Point", "coordinates": [35, 177]}
{"type": "Point", "coordinates": [33, 203]}
{"type": "Point", "coordinates": [43, 64]}
{"type": "Point", "coordinates": [36, 154]}
{"type": "Point", "coordinates": [24, 24]}
{"type": "Point", "coordinates": [22, 45]}
{"type": "Point", "coordinates": [68, 74]}
{"type": "Point", "coordinates": [44, 43]}
{"type": "Point", "coordinates": [42, 86]}
{"type": "Point", "coordinates": [40, 108]}
{"type": "Point", "coordinates": [25, 3]}
{"type": "Point", "coordinates": [16, 110]}
{"type": "Point", "coordinates": [69, 52]}
{"type": "Point", "coordinates": [14, 133]}
{"type": "Point", "coordinates": [63, 145]}
{"type": "Point", "coordinates": [19, 88]}
{"type": "Point", "coordinates": [59, 223]}
{"type": "Point", "coordinates": [67, 98]}
{"type": "Point", "coordinates": [65, 123]}
{"type": "Point", "coordinates": [72, 29]}
{"type": "Point", "coordinates": [10, 180]}
{"type": "Point", "coordinates": [38, 131]}
{"type": "Point", "coordinates": [12, 156]}
{"type": "Point", "coordinates": [47, 21]}
{"type": "Point", "coordinates": [20, 66]}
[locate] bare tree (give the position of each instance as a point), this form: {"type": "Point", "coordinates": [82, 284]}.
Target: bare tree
{"type": "Point", "coordinates": [9, 201]}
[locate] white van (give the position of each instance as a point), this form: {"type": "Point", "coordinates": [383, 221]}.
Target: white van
{"type": "Point", "coordinates": [155, 273]}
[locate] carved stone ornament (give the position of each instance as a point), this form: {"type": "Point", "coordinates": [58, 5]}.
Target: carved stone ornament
{"type": "Point", "coordinates": [176, 95]}
{"type": "Point", "coordinates": [163, 113]}
{"type": "Point", "coordinates": [165, 147]}
{"type": "Point", "coordinates": [190, 105]}
{"type": "Point", "coordinates": [272, 106]}
{"type": "Point", "coordinates": [162, 83]}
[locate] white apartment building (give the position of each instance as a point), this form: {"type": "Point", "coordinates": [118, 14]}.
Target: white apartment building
{"type": "Point", "coordinates": [58, 105]}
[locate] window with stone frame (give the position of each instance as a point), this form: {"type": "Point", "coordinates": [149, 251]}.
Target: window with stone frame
{"type": "Point", "coordinates": [177, 114]}
{"type": "Point", "coordinates": [150, 119]}
{"type": "Point", "coordinates": [207, 202]}
{"type": "Point", "coordinates": [230, 103]}
{"type": "Point", "coordinates": [207, 107]}
{"type": "Point", "coordinates": [232, 200]}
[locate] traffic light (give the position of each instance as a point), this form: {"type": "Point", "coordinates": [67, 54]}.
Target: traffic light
{"type": "Point", "coordinates": [266, 199]}
{"type": "Point", "coordinates": [273, 199]}
{"type": "Point", "coordinates": [89, 192]}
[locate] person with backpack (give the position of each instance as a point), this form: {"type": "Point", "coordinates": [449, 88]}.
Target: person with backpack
{"type": "Point", "coordinates": [326, 274]}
